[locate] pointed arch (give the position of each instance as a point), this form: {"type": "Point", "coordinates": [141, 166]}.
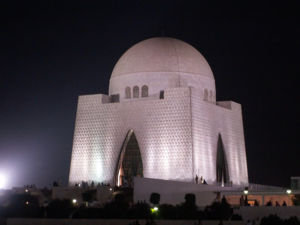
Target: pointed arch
{"type": "Point", "coordinates": [130, 162]}
{"type": "Point", "coordinates": [136, 92]}
{"type": "Point", "coordinates": [221, 164]}
{"type": "Point", "coordinates": [127, 92]}
{"type": "Point", "coordinates": [144, 91]}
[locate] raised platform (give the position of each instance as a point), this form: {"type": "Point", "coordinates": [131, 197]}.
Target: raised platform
{"type": "Point", "coordinates": [173, 192]}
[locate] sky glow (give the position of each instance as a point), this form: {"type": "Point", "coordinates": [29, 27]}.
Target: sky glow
{"type": "Point", "coordinates": [2, 181]}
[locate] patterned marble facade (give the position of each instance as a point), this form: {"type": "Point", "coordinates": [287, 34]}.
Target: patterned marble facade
{"type": "Point", "coordinates": [164, 91]}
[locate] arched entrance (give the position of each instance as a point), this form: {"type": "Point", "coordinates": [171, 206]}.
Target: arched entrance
{"type": "Point", "coordinates": [222, 167]}
{"type": "Point", "coordinates": [130, 161]}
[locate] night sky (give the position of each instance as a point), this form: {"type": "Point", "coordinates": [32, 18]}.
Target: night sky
{"type": "Point", "coordinates": [52, 53]}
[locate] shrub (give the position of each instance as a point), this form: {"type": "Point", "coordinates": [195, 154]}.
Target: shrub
{"type": "Point", "coordinates": [155, 198]}
{"type": "Point", "coordinates": [271, 220]}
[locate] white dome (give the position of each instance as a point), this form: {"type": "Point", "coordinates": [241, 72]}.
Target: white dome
{"type": "Point", "coordinates": [159, 64]}
{"type": "Point", "coordinates": [162, 54]}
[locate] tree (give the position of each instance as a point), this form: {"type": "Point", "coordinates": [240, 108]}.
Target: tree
{"type": "Point", "coordinates": [155, 198]}
{"type": "Point", "coordinates": [190, 200]}
{"type": "Point", "coordinates": [23, 205]}
{"type": "Point", "coordinates": [89, 195]}
{"type": "Point", "coordinates": [140, 211]}
{"type": "Point", "coordinates": [118, 208]}
{"type": "Point", "coordinates": [188, 210]}
{"type": "Point", "coordinates": [219, 210]}
{"type": "Point", "coordinates": [296, 199]}
{"type": "Point", "coordinates": [292, 221]}
{"type": "Point", "coordinates": [55, 184]}
{"type": "Point", "coordinates": [271, 220]}
{"type": "Point", "coordinates": [59, 208]}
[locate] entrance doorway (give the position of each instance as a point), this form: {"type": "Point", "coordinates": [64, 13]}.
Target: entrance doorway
{"type": "Point", "coordinates": [222, 167]}
{"type": "Point", "coordinates": [130, 161]}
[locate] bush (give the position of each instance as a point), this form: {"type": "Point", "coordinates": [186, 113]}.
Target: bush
{"type": "Point", "coordinates": [190, 200]}
{"type": "Point", "coordinates": [271, 220]}
{"type": "Point", "coordinates": [155, 198]}
{"type": "Point", "coordinates": [296, 199]}
{"type": "Point", "coordinates": [292, 221]}
{"type": "Point", "coordinates": [139, 211]}
{"type": "Point", "coordinates": [117, 208]}
{"type": "Point", "coordinates": [168, 212]}
{"type": "Point", "coordinates": [60, 208]}
{"type": "Point", "coordinates": [219, 211]}
{"type": "Point", "coordinates": [89, 195]}
{"type": "Point", "coordinates": [236, 217]}
{"type": "Point", "coordinates": [23, 205]}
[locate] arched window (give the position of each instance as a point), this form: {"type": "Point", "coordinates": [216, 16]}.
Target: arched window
{"type": "Point", "coordinates": [136, 91]}
{"type": "Point", "coordinates": [205, 95]}
{"type": "Point", "coordinates": [145, 91]}
{"type": "Point", "coordinates": [127, 92]}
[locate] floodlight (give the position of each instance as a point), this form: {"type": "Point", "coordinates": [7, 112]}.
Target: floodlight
{"type": "Point", "coordinates": [2, 181]}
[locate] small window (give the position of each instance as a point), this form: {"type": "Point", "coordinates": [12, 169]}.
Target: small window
{"type": "Point", "coordinates": [145, 91]}
{"type": "Point", "coordinates": [136, 91]}
{"type": "Point", "coordinates": [161, 94]}
{"type": "Point", "coordinates": [205, 95]}
{"type": "Point", "coordinates": [115, 98]}
{"type": "Point", "coordinates": [127, 92]}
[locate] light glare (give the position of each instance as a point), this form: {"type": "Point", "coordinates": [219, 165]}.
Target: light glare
{"type": "Point", "coordinates": [154, 210]}
{"type": "Point", "coordinates": [2, 181]}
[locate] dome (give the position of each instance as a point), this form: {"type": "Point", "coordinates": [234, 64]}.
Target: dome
{"type": "Point", "coordinates": [162, 54]}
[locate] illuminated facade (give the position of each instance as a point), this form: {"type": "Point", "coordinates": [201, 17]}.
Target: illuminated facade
{"type": "Point", "coordinates": [160, 120]}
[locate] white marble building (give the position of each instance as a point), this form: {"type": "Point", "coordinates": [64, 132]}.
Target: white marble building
{"type": "Point", "coordinates": [160, 120]}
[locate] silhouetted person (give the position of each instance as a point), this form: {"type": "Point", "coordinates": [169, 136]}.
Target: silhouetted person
{"type": "Point", "coordinates": [242, 201]}
{"type": "Point", "coordinates": [201, 180]}
{"type": "Point", "coordinates": [246, 201]}
{"type": "Point", "coordinates": [284, 203]}
{"type": "Point", "coordinates": [196, 179]}
{"type": "Point", "coordinates": [269, 203]}
{"type": "Point", "coordinates": [204, 181]}
{"type": "Point", "coordinates": [277, 204]}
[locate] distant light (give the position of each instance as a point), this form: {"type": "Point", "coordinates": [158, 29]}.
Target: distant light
{"type": "Point", "coordinates": [154, 210]}
{"type": "Point", "coordinates": [27, 203]}
{"type": "Point", "coordinates": [288, 191]}
{"type": "Point", "coordinates": [246, 192]}
{"type": "Point", "coordinates": [2, 181]}
{"type": "Point", "coordinates": [110, 189]}
{"type": "Point", "coordinates": [74, 201]}
{"type": "Point", "coordinates": [26, 190]}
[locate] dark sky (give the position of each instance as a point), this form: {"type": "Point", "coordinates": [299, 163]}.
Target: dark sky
{"type": "Point", "coordinates": [50, 54]}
